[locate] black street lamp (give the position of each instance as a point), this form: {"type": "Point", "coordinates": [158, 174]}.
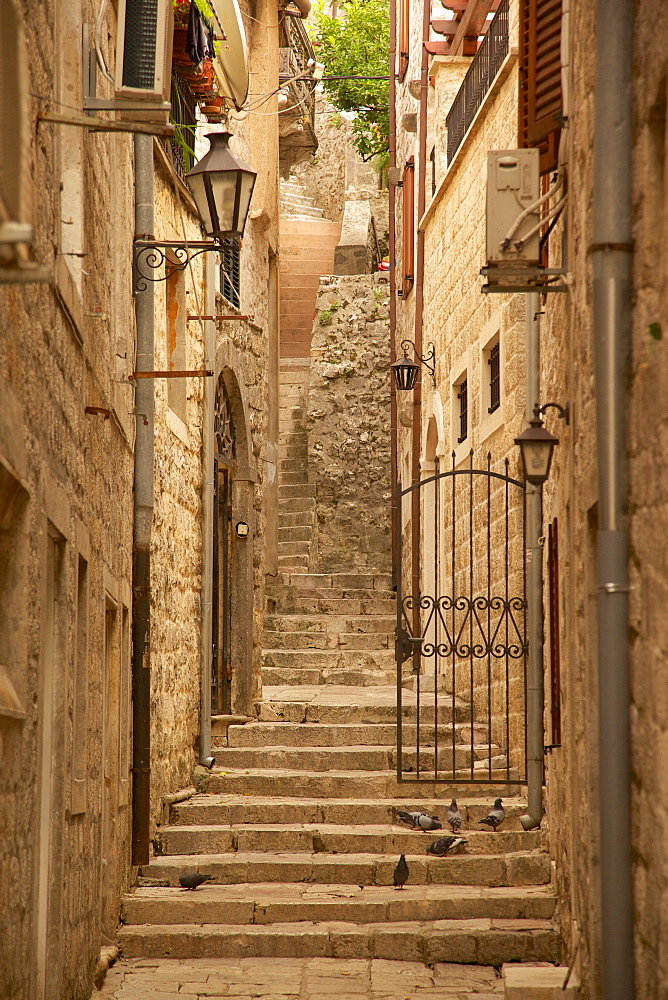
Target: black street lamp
{"type": "Point", "coordinates": [537, 445]}
{"type": "Point", "coordinates": [222, 186]}
{"type": "Point", "coordinates": [405, 370]}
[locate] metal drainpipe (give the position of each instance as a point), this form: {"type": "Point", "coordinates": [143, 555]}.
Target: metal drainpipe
{"type": "Point", "coordinates": [393, 278]}
{"type": "Point", "coordinates": [419, 309]}
{"type": "Point", "coordinates": [207, 513]}
{"type": "Point", "coordinates": [534, 556]}
{"type": "Point", "coordinates": [611, 252]}
{"type": "Point", "coordinates": [143, 518]}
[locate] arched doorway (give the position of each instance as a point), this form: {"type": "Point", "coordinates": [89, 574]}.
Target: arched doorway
{"type": "Point", "coordinates": [224, 463]}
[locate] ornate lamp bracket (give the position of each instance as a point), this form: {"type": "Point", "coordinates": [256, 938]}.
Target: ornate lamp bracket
{"type": "Point", "coordinates": [428, 360]}
{"type": "Point", "coordinates": [148, 256]}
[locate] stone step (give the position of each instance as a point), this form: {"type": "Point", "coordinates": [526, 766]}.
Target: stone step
{"type": "Point", "coordinates": [289, 490]}
{"type": "Point", "coordinates": [293, 562]}
{"type": "Point", "coordinates": [266, 903]}
{"type": "Point", "coordinates": [327, 640]}
{"type": "Point", "coordinates": [296, 505]}
{"type": "Point", "coordinates": [512, 869]}
{"type": "Point", "coordinates": [225, 809]}
{"type": "Point", "coordinates": [287, 734]}
{"type": "Point", "coordinates": [329, 623]}
{"type": "Point", "coordinates": [296, 532]}
{"type": "Point", "coordinates": [291, 465]}
{"type": "Point", "coordinates": [296, 548]}
{"type": "Point", "coordinates": [290, 603]}
{"type": "Point", "coordinates": [347, 784]}
{"type": "Point", "coordinates": [338, 704]}
{"type": "Point", "coordinates": [295, 519]}
{"type": "Point", "coordinates": [292, 478]}
{"type": "Point", "coordinates": [300, 675]}
{"type": "Point", "coordinates": [482, 941]}
{"type": "Point", "coordinates": [354, 758]}
{"type": "Point", "coordinates": [331, 839]}
{"type": "Point", "coordinates": [330, 659]}
{"type": "Point", "coordinates": [342, 581]}
{"type": "Point", "coordinates": [292, 453]}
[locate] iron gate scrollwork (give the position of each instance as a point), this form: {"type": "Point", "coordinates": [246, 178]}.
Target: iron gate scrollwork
{"type": "Point", "coordinates": [461, 629]}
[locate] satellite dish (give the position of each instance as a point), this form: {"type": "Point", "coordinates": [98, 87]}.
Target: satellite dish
{"type": "Point", "coordinates": [231, 64]}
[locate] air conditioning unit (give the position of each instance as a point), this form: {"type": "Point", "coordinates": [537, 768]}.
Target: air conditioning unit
{"type": "Point", "coordinates": [144, 50]}
{"type": "Point", "coordinates": [513, 207]}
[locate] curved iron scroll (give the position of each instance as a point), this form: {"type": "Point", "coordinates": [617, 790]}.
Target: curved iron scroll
{"type": "Point", "coordinates": [487, 644]}
{"type": "Point", "coordinates": [149, 257]}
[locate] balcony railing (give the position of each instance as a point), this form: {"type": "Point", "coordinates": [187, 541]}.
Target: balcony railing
{"type": "Point", "coordinates": [297, 139]}
{"type": "Point", "coordinates": [478, 80]}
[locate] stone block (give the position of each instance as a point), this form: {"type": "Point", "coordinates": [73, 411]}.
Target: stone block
{"type": "Point", "coordinates": [539, 982]}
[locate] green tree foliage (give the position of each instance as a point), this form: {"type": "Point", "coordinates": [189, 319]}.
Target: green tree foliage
{"type": "Point", "coordinates": [357, 43]}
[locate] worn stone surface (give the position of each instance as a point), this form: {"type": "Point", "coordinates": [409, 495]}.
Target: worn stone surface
{"type": "Point", "coordinates": [298, 979]}
{"type": "Point", "coordinates": [348, 424]}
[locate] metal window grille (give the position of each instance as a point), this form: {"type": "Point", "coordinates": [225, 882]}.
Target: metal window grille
{"type": "Point", "coordinates": [184, 117]}
{"type": "Point", "coordinates": [479, 78]}
{"type": "Point", "coordinates": [432, 158]}
{"type": "Point", "coordinates": [230, 271]}
{"type": "Point", "coordinates": [463, 397]}
{"type": "Point", "coordinates": [494, 362]}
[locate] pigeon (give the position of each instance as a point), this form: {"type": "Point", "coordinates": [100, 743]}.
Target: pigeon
{"type": "Point", "coordinates": [419, 820]}
{"type": "Point", "coordinates": [454, 816]}
{"type": "Point", "coordinates": [496, 815]}
{"type": "Point", "coordinates": [443, 846]}
{"type": "Point", "coordinates": [400, 873]}
{"type": "Point", "coordinates": [192, 880]}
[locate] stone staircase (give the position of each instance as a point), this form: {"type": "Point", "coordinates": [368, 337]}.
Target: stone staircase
{"type": "Point", "coordinates": [296, 825]}
{"type": "Point", "coordinates": [308, 243]}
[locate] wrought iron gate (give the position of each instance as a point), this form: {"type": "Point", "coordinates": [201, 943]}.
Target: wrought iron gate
{"type": "Point", "coordinates": [461, 627]}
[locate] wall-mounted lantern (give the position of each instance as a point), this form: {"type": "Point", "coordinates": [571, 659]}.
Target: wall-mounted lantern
{"type": "Point", "coordinates": [405, 370]}
{"type": "Point", "coordinates": [537, 445]}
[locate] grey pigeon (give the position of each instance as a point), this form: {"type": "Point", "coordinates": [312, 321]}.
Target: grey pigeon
{"type": "Point", "coordinates": [419, 820]}
{"type": "Point", "coordinates": [454, 817]}
{"type": "Point", "coordinates": [444, 845]}
{"type": "Point", "coordinates": [400, 873]}
{"type": "Point", "coordinates": [192, 880]}
{"type": "Point", "coordinates": [496, 815]}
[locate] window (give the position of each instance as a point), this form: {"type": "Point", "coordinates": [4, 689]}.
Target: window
{"type": "Point", "coordinates": [494, 364]}
{"type": "Point", "coordinates": [540, 99]}
{"type": "Point", "coordinates": [184, 119]}
{"type": "Point", "coordinates": [404, 38]}
{"type": "Point", "coordinates": [463, 399]}
{"type": "Point", "coordinates": [408, 227]}
{"type": "Point", "coordinates": [432, 160]}
{"type": "Point", "coordinates": [230, 272]}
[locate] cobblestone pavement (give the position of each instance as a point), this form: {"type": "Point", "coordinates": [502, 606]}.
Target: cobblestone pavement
{"type": "Point", "coordinates": [296, 979]}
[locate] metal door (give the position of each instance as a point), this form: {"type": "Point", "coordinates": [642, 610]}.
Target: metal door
{"type": "Point", "coordinates": [461, 640]}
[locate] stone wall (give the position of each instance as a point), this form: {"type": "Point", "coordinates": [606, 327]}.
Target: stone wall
{"type": "Point", "coordinates": [349, 425]}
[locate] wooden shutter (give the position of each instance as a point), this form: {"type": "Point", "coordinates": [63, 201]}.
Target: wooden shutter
{"type": "Point", "coordinates": [408, 227]}
{"type": "Point", "coordinates": [404, 38]}
{"type": "Point", "coordinates": [540, 106]}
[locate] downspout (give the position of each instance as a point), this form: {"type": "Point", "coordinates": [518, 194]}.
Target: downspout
{"type": "Point", "coordinates": [419, 309]}
{"type": "Point", "coordinates": [611, 252]}
{"type": "Point", "coordinates": [206, 638]}
{"type": "Point", "coordinates": [143, 518]}
{"type": "Point", "coordinates": [534, 570]}
{"type": "Point", "coordinates": [392, 188]}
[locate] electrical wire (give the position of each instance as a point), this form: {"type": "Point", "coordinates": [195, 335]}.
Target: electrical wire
{"type": "Point", "coordinates": [530, 209]}
{"type": "Point", "coordinates": [539, 225]}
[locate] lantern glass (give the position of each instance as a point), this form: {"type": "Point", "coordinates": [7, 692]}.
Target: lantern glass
{"type": "Point", "coordinates": [222, 186]}
{"type": "Point", "coordinates": [405, 373]}
{"type": "Point", "coordinates": [537, 447]}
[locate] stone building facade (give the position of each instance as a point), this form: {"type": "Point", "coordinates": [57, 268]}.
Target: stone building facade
{"type": "Point", "coordinates": [68, 433]}
{"type": "Point", "coordinates": [463, 324]}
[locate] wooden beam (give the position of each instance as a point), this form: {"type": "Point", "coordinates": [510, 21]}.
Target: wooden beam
{"type": "Point", "coordinates": [437, 48]}
{"type": "Point", "coordinates": [105, 124]}
{"type": "Point", "coordinates": [444, 27]}
{"type": "Point", "coordinates": [471, 24]}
